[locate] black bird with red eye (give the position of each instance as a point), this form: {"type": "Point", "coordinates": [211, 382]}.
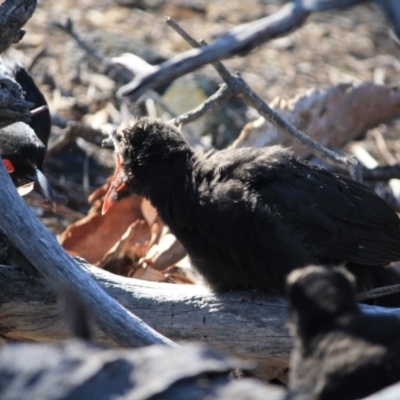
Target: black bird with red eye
{"type": "Point", "coordinates": [23, 146]}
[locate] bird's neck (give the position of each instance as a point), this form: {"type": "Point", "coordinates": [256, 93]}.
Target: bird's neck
{"type": "Point", "coordinates": [171, 190]}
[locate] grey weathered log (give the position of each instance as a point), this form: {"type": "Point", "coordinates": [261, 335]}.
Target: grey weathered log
{"type": "Point", "coordinates": [246, 324]}
{"type": "Point", "coordinates": [80, 371]}
{"type": "Point", "coordinates": [41, 248]}
{"type": "Point", "coordinates": [240, 323]}
{"type": "Point", "coordinates": [13, 16]}
{"type": "Point", "coordinates": [77, 370]}
{"type": "Point", "coordinates": [389, 393]}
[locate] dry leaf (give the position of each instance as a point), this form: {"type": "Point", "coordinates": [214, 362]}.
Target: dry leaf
{"type": "Point", "coordinates": [149, 274]}
{"type": "Point", "coordinates": [124, 257]}
{"type": "Point", "coordinates": [332, 117]}
{"type": "Point", "coordinates": [166, 253]}
{"type": "Point", "coordinates": [93, 236]}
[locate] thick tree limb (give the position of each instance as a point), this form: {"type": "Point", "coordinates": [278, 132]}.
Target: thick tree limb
{"type": "Point", "coordinates": [41, 248]}
{"type": "Point", "coordinates": [245, 324]}
{"type": "Point", "coordinates": [77, 370]}
{"type": "Point", "coordinates": [13, 16]}
{"type": "Point", "coordinates": [242, 323]}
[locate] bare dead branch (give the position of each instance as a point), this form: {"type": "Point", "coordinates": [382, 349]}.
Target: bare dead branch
{"type": "Point", "coordinates": [244, 38]}
{"type": "Point", "coordinates": [41, 248]}
{"type": "Point", "coordinates": [181, 312]}
{"type": "Point", "coordinates": [73, 130]}
{"type": "Point", "coordinates": [216, 100]}
{"type": "Point", "coordinates": [378, 292]}
{"type": "Point", "coordinates": [68, 27]}
{"type": "Point", "coordinates": [239, 40]}
{"type": "Point", "coordinates": [384, 173]}
{"type": "Point", "coordinates": [241, 89]}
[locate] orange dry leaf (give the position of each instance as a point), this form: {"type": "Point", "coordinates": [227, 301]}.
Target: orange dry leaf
{"type": "Point", "coordinates": [124, 256]}
{"type": "Point", "coordinates": [93, 236]}
{"type": "Point", "coordinates": [130, 240]}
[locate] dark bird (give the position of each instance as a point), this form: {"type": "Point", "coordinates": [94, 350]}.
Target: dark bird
{"type": "Point", "coordinates": [249, 216]}
{"type": "Point", "coordinates": [339, 352]}
{"type": "Point", "coordinates": [23, 146]}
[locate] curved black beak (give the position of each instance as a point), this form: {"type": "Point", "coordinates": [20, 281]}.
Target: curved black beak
{"type": "Point", "coordinates": [43, 187]}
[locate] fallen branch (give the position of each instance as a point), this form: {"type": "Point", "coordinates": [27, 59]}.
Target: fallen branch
{"type": "Point", "coordinates": [245, 324]}
{"type": "Point", "coordinates": [241, 89]}
{"type": "Point", "coordinates": [77, 370]}
{"type": "Point", "coordinates": [238, 40]}
{"type": "Point", "coordinates": [41, 248]}
{"type": "Point", "coordinates": [384, 173]}
{"type": "Point", "coordinates": [378, 292]}
{"type": "Point", "coordinates": [244, 38]}
{"type": "Point", "coordinates": [240, 323]}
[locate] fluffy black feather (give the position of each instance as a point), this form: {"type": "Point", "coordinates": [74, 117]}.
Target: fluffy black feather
{"type": "Point", "coordinates": [23, 146]}
{"type": "Point", "coordinates": [339, 352]}
{"type": "Point", "coordinates": [249, 216]}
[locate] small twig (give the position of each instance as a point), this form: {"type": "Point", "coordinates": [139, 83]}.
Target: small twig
{"type": "Point", "coordinates": [73, 129]}
{"type": "Point", "coordinates": [216, 100]}
{"type": "Point", "coordinates": [36, 57]}
{"type": "Point", "coordinates": [114, 71]}
{"type": "Point", "coordinates": [38, 110]}
{"type": "Point", "coordinates": [378, 292]}
{"type": "Point", "coordinates": [68, 28]}
{"type": "Point", "coordinates": [241, 89]}
{"type": "Point", "coordinates": [384, 173]}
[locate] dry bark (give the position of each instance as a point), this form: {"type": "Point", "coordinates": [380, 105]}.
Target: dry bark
{"type": "Point", "coordinates": [13, 16]}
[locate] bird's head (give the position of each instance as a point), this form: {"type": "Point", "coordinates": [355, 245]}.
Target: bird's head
{"type": "Point", "coordinates": [319, 295]}
{"type": "Point", "coordinates": [147, 151]}
{"type": "Point", "coordinates": [23, 154]}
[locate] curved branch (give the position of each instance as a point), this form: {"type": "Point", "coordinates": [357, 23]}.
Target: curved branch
{"type": "Point", "coordinates": [239, 40]}
{"type": "Point", "coordinates": [41, 248]}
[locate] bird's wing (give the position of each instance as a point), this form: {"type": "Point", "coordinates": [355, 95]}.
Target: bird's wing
{"type": "Point", "coordinates": [340, 218]}
{"type": "Point", "coordinates": [40, 123]}
{"type": "Point", "coordinates": [336, 218]}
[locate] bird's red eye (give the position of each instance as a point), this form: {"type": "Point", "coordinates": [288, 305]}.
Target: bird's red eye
{"type": "Point", "coordinates": [9, 165]}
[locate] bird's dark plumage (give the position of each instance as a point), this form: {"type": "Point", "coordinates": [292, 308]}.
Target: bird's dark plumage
{"type": "Point", "coordinates": [40, 123]}
{"type": "Point", "coordinates": [339, 352]}
{"type": "Point", "coordinates": [22, 146]}
{"type": "Point", "coordinates": [249, 216]}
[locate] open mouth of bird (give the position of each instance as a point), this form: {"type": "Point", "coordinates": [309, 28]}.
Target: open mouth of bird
{"type": "Point", "coordinates": [118, 187]}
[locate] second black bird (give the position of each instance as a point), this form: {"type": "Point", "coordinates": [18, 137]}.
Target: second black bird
{"type": "Point", "coordinates": [22, 146]}
{"type": "Point", "coordinates": [249, 216]}
{"type": "Point", "coordinates": [340, 353]}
